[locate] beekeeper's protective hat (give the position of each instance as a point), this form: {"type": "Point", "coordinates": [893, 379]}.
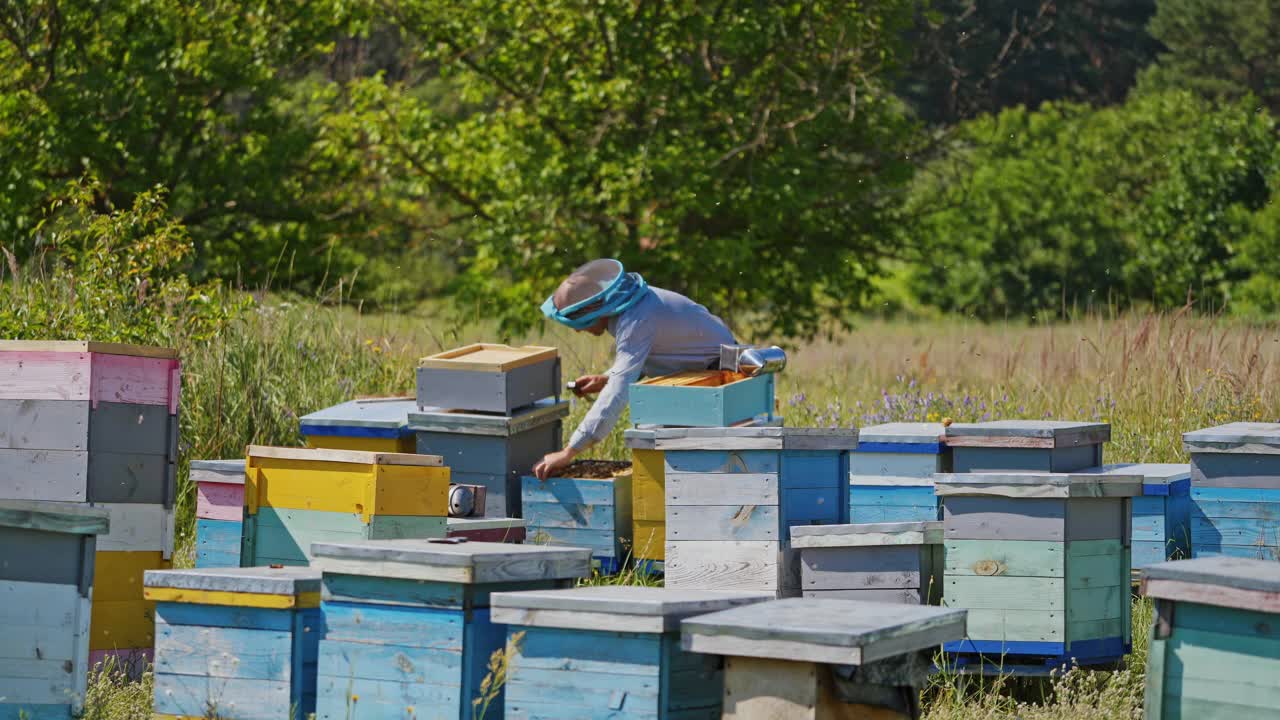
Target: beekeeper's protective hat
{"type": "Point", "coordinates": [601, 288]}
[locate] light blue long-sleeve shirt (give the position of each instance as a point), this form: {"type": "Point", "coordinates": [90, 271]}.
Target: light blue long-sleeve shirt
{"type": "Point", "coordinates": [662, 334]}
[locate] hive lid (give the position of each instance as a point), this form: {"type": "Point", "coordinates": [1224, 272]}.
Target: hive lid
{"type": "Point", "coordinates": [1242, 583]}
{"type": "Point", "coordinates": [1152, 473]}
{"type": "Point", "coordinates": [1019, 484]}
{"type": "Point", "coordinates": [355, 457]}
{"type": "Point", "coordinates": [228, 471]}
{"type": "Point", "coordinates": [489, 357]}
{"type": "Point", "coordinates": [819, 630]}
{"type": "Point", "coordinates": [59, 517]}
{"type": "Point", "coordinates": [755, 438]}
{"type": "Point", "coordinates": [641, 437]}
{"type": "Point", "coordinates": [1027, 434]}
{"type": "Point", "coordinates": [1237, 437]}
{"type": "Point", "coordinates": [867, 534]}
{"type": "Point", "coordinates": [614, 607]}
{"type": "Point", "coordinates": [201, 582]}
{"type": "Point", "coordinates": [466, 562]}
{"type": "Point", "coordinates": [83, 346]}
{"type": "Point", "coordinates": [926, 434]}
{"type": "Point", "coordinates": [462, 422]}
{"type": "Point", "coordinates": [390, 416]}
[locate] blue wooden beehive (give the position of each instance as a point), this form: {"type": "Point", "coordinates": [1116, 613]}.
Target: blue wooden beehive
{"type": "Point", "coordinates": [46, 583]}
{"type": "Point", "coordinates": [610, 651]}
{"type": "Point", "coordinates": [235, 643]}
{"type": "Point", "coordinates": [711, 398]}
{"type": "Point", "coordinates": [374, 424]}
{"type": "Point", "coordinates": [1161, 525]}
{"type": "Point", "coordinates": [219, 511]}
{"type": "Point", "coordinates": [1041, 562]}
{"type": "Point", "coordinates": [891, 472]}
{"type": "Point", "coordinates": [1042, 445]}
{"type": "Point", "coordinates": [491, 450]}
{"type": "Point", "coordinates": [1235, 490]}
{"type": "Point", "coordinates": [590, 512]}
{"type": "Point", "coordinates": [733, 494]}
{"type": "Point", "coordinates": [1215, 639]}
{"type": "Point", "coordinates": [407, 626]}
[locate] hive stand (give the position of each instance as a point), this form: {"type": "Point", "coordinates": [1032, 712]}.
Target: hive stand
{"type": "Point", "coordinates": [235, 643]}
{"type": "Point", "coordinates": [489, 378]}
{"type": "Point", "coordinates": [733, 495]}
{"type": "Point", "coordinates": [494, 451]}
{"type": "Point", "coordinates": [582, 512]}
{"type": "Point", "coordinates": [482, 529]}
{"type": "Point", "coordinates": [674, 401]}
{"type": "Point", "coordinates": [46, 588]}
{"type": "Point", "coordinates": [823, 659]}
{"type": "Point", "coordinates": [1042, 445]}
{"type": "Point", "coordinates": [1235, 490]}
{"type": "Point", "coordinates": [1041, 562]}
{"type": "Point", "coordinates": [611, 651]}
{"type": "Point", "coordinates": [407, 626]}
{"type": "Point", "coordinates": [219, 511]}
{"type": "Point", "coordinates": [97, 423]}
{"type": "Point", "coordinates": [298, 496]}
{"type": "Point", "coordinates": [1161, 525]}
{"type": "Point", "coordinates": [372, 424]}
{"type": "Point", "coordinates": [1215, 641]}
{"type": "Point", "coordinates": [891, 472]}
{"type": "Point", "coordinates": [877, 562]}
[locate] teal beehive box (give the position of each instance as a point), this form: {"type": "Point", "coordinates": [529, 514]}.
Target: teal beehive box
{"type": "Point", "coordinates": [710, 398]}
{"type": "Point", "coordinates": [610, 651]}
{"type": "Point", "coordinates": [407, 626]}
{"type": "Point", "coordinates": [1215, 640]}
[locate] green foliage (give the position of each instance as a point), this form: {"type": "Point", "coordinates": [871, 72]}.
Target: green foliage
{"type": "Point", "coordinates": [1042, 211]}
{"type": "Point", "coordinates": [696, 141]}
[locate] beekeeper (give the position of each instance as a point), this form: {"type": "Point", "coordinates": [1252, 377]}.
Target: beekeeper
{"type": "Point", "coordinates": [655, 331]}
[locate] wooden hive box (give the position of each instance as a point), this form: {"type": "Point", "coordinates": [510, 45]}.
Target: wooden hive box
{"type": "Point", "coordinates": [219, 511]}
{"type": "Point", "coordinates": [823, 659]}
{"type": "Point", "coordinates": [1041, 562]}
{"type": "Point", "coordinates": [733, 494]}
{"type": "Point", "coordinates": [489, 378]}
{"type": "Point", "coordinates": [1043, 445]}
{"type": "Point", "coordinates": [891, 472]}
{"type": "Point", "coordinates": [1215, 641]}
{"type": "Point", "coordinates": [235, 643]}
{"type": "Point", "coordinates": [711, 398]}
{"type": "Point", "coordinates": [489, 529]}
{"type": "Point", "coordinates": [408, 631]}
{"type": "Point", "coordinates": [1235, 490]}
{"type": "Point", "coordinates": [878, 562]}
{"type": "Point", "coordinates": [492, 450]}
{"type": "Point", "coordinates": [298, 496]}
{"type": "Point", "coordinates": [1161, 526]}
{"type": "Point", "coordinates": [46, 581]}
{"type": "Point", "coordinates": [611, 651]}
{"type": "Point", "coordinates": [373, 424]}
{"type": "Point", "coordinates": [589, 511]}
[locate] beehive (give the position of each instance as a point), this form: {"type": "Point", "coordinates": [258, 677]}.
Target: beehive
{"type": "Point", "coordinates": [1041, 561]}
{"type": "Point", "coordinates": [235, 643]}
{"type": "Point", "coordinates": [648, 501]}
{"type": "Point", "coordinates": [489, 378]}
{"type": "Point", "coordinates": [488, 529]}
{"type": "Point", "coordinates": [408, 631]}
{"type": "Point", "coordinates": [298, 496]}
{"type": "Point", "coordinates": [823, 659]}
{"type": "Point", "coordinates": [591, 512]}
{"type": "Point", "coordinates": [1235, 490]}
{"type": "Point", "coordinates": [492, 450]}
{"type": "Point", "coordinates": [711, 398]}
{"type": "Point", "coordinates": [877, 562]}
{"type": "Point", "coordinates": [1215, 641]}
{"type": "Point", "coordinates": [219, 511]}
{"type": "Point", "coordinates": [1161, 524]}
{"type": "Point", "coordinates": [372, 424]}
{"type": "Point", "coordinates": [611, 651]}
{"type": "Point", "coordinates": [1041, 445]}
{"type": "Point", "coordinates": [733, 494]}
{"type": "Point", "coordinates": [891, 472]}
{"type": "Point", "coordinates": [46, 582]}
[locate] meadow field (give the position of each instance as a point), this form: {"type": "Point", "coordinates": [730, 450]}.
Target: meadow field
{"type": "Point", "coordinates": [1152, 377]}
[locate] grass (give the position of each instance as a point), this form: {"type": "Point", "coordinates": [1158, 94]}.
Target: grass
{"type": "Point", "coordinates": [1152, 377]}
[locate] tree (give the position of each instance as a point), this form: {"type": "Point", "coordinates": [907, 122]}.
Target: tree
{"type": "Point", "coordinates": [748, 153]}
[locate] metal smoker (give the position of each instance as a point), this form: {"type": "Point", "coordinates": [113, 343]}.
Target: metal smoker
{"type": "Point", "coordinates": [752, 361]}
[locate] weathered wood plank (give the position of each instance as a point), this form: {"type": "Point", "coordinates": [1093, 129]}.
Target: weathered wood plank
{"type": "Point", "coordinates": [695, 489]}
{"type": "Point", "coordinates": [724, 565]}
{"type": "Point", "coordinates": [1024, 558]}
{"type": "Point", "coordinates": [862, 568]}
{"type": "Point", "coordinates": [198, 696]}
{"type": "Point", "coordinates": [1038, 485]}
{"type": "Point", "coordinates": [661, 608]}
{"type": "Point", "coordinates": [723, 522]}
{"type": "Point", "coordinates": [138, 527]}
{"type": "Point", "coordinates": [54, 517]}
{"type": "Point", "coordinates": [436, 421]}
{"type": "Point", "coordinates": [44, 375]}
{"type": "Point", "coordinates": [224, 652]}
{"type": "Point", "coordinates": [473, 563]}
{"type": "Point", "coordinates": [53, 475]}
{"type": "Point", "coordinates": [993, 518]}
{"type": "Point", "coordinates": [44, 424]}
{"type": "Point", "coordinates": [1006, 593]}
{"type": "Point", "coordinates": [866, 535]}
